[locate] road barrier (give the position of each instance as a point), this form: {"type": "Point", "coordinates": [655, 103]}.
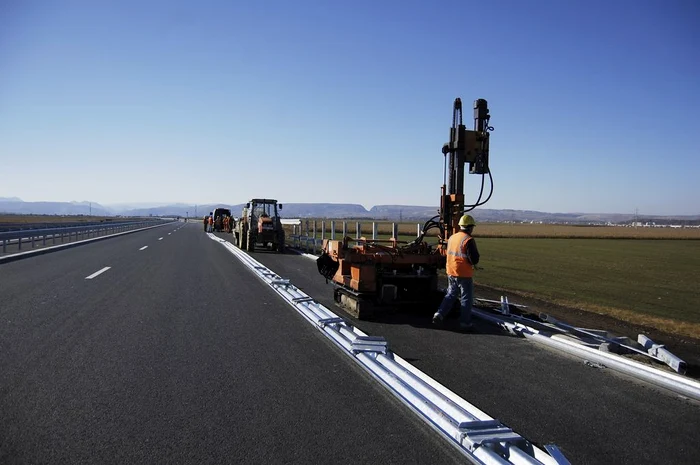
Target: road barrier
{"type": "Point", "coordinates": [525, 327]}
{"type": "Point", "coordinates": [482, 439]}
{"type": "Point", "coordinates": [308, 235]}
{"type": "Point", "coordinates": [84, 232]}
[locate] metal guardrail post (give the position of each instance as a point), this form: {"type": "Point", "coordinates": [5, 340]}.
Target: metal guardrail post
{"type": "Point", "coordinates": [374, 230]}
{"type": "Point", "coordinates": [345, 229]}
{"type": "Point", "coordinates": [323, 231]}
{"type": "Point", "coordinates": [418, 228]}
{"type": "Point", "coordinates": [332, 230]}
{"type": "Point", "coordinates": [358, 228]}
{"type": "Point", "coordinates": [394, 231]}
{"type": "Point", "coordinates": [4, 246]}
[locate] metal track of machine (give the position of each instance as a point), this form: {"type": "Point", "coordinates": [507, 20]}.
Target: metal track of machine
{"type": "Point", "coordinates": [374, 274]}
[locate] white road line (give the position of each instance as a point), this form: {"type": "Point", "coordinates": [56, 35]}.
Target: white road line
{"type": "Point", "coordinates": [160, 238]}
{"type": "Point", "coordinates": [169, 234]}
{"type": "Point", "coordinates": [96, 273]}
{"type": "Point", "coordinates": [144, 247]}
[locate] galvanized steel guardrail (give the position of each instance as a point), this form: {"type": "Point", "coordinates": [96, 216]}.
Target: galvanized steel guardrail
{"type": "Point", "coordinates": [482, 439]}
{"type": "Point", "coordinates": [523, 327]}
{"type": "Point", "coordinates": [308, 235]}
{"type": "Point", "coordinates": [86, 231]}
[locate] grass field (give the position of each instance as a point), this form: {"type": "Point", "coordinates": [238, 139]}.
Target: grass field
{"type": "Point", "coordinates": [648, 276]}
{"type": "Point", "coordinates": [647, 282]}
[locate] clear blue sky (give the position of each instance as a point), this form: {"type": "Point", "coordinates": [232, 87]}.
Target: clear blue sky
{"type": "Point", "coordinates": [595, 104]}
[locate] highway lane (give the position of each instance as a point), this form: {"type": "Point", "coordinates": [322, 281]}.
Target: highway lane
{"type": "Point", "coordinates": [177, 354]}
{"type": "Point", "coordinates": [12, 247]}
{"type": "Point", "coordinates": [594, 415]}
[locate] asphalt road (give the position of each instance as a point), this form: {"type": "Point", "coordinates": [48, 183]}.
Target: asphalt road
{"type": "Point", "coordinates": [595, 416]}
{"type": "Point", "coordinates": [177, 354]}
{"type": "Point", "coordinates": [13, 246]}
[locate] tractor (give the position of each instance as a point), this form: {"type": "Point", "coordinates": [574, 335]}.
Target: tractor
{"type": "Point", "coordinates": [260, 223]}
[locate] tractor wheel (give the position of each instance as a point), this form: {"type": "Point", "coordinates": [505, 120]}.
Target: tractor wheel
{"type": "Point", "coordinates": [250, 242]}
{"type": "Point", "coordinates": [242, 238]}
{"type": "Point", "coordinates": [280, 244]}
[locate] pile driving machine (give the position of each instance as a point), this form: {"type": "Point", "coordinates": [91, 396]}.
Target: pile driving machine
{"type": "Point", "coordinates": [369, 275]}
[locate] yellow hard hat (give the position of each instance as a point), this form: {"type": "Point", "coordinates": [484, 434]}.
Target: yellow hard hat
{"type": "Point", "coordinates": [466, 220]}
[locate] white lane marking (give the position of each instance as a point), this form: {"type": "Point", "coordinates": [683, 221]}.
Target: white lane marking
{"type": "Point", "coordinates": [97, 273]}
{"type": "Point", "coordinates": [169, 234]}
{"type": "Point", "coordinates": [160, 238]}
{"type": "Point", "coordinates": [144, 247]}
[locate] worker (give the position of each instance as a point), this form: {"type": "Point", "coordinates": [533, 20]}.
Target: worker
{"type": "Point", "coordinates": [226, 223]}
{"type": "Point", "coordinates": [462, 257]}
{"type": "Point", "coordinates": [211, 222]}
{"type": "Point", "coordinates": [205, 223]}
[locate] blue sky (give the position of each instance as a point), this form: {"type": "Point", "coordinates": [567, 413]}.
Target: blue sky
{"type": "Point", "coordinates": [594, 103]}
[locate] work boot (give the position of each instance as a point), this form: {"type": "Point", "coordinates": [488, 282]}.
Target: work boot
{"type": "Point", "coordinates": [438, 319]}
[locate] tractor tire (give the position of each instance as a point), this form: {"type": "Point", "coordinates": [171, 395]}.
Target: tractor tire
{"type": "Point", "coordinates": [242, 238]}
{"type": "Point", "coordinates": [250, 242]}
{"type": "Point", "coordinates": [280, 244]}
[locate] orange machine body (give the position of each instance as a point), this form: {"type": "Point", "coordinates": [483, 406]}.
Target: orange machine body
{"type": "Point", "coordinates": [369, 264]}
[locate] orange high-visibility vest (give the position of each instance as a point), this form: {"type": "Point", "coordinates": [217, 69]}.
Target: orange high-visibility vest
{"type": "Point", "coordinates": [457, 259]}
{"type": "Point", "coordinates": [211, 220]}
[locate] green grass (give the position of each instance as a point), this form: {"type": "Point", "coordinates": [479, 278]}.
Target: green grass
{"type": "Point", "coordinates": [658, 278]}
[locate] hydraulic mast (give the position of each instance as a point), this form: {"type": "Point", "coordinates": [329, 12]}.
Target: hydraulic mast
{"type": "Point", "coordinates": [465, 146]}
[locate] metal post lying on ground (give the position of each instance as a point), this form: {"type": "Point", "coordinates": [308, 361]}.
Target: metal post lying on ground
{"type": "Point", "coordinates": [660, 352]}
{"type": "Point", "coordinates": [560, 324]}
{"type": "Point", "coordinates": [676, 383]}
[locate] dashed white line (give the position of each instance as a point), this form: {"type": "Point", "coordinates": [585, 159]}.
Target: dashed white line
{"type": "Point", "coordinates": [97, 273]}
{"type": "Point", "coordinates": [169, 234]}
{"type": "Point", "coordinates": [144, 247]}
{"type": "Point", "coordinates": [160, 238]}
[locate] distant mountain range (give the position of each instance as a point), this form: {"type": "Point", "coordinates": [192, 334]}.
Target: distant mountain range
{"type": "Point", "coordinates": [326, 210]}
